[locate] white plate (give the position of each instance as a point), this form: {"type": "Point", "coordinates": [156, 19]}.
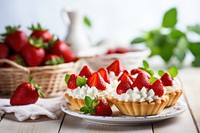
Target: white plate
{"type": "Point", "coordinates": [118, 119]}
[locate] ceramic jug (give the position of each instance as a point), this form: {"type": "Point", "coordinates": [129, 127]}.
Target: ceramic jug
{"type": "Point", "coordinates": [76, 35]}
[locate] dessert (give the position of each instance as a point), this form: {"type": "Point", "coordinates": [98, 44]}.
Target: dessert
{"type": "Point", "coordinates": [92, 84]}
{"type": "Point", "coordinates": [140, 97]}
{"type": "Point", "coordinates": [172, 85]}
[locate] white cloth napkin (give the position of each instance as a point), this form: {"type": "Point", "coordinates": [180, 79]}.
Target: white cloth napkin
{"type": "Point", "coordinates": [49, 107]}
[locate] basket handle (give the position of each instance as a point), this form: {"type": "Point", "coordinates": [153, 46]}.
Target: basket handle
{"type": "Point", "coordinates": [12, 63]}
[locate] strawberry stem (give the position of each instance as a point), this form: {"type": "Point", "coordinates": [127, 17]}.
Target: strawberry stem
{"type": "Point", "coordinates": [36, 28]}
{"type": "Point", "coordinates": [38, 88]}
{"type": "Point", "coordinates": [10, 30]}
{"type": "Point", "coordinates": [38, 43]}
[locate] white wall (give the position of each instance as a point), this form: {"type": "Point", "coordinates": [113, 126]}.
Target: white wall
{"type": "Point", "coordinates": [120, 20]}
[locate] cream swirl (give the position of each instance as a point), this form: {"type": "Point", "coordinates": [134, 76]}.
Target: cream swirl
{"type": "Point", "coordinates": [176, 85]}
{"type": "Point", "coordinates": [136, 95]}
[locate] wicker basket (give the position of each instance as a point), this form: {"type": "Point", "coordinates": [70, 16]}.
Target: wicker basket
{"type": "Point", "coordinates": [50, 78]}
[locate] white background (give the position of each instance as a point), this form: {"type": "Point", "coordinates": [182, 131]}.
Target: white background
{"type": "Point", "coordinates": [119, 20]}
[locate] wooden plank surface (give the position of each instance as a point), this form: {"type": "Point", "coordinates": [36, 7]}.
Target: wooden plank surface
{"type": "Point", "coordinates": [77, 125]}
{"type": "Point", "coordinates": [190, 78]}
{"type": "Point", "coordinates": [43, 125]}
{"type": "Point", "coordinates": [183, 123]}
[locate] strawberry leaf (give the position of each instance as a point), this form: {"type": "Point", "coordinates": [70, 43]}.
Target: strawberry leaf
{"type": "Point", "coordinates": [85, 110]}
{"type": "Point", "coordinates": [88, 101]}
{"type": "Point", "coordinates": [161, 73]}
{"type": "Point", "coordinates": [67, 77]}
{"type": "Point", "coordinates": [146, 65]}
{"type": "Point", "coordinates": [81, 81]}
{"type": "Point", "coordinates": [151, 72]}
{"type": "Point", "coordinates": [173, 71]}
{"type": "Point", "coordinates": [152, 80]}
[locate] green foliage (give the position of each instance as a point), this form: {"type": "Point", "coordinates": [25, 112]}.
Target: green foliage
{"type": "Point", "coordinates": [87, 21]}
{"type": "Point", "coordinates": [173, 71]}
{"type": "Point", "coordinates": [81, 81]}
{"type": "Point", "coordinates": [169, 42]}
{"type": "Point", "coordinates": [90, 105]}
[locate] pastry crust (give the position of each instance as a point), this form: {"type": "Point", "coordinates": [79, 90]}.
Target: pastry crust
{"type": "Point", "coordinates": [141, 108]}
{"type": "Point", "coordinates": [76, 104]}
{"type": "Point", "coordinates": [173, 97]}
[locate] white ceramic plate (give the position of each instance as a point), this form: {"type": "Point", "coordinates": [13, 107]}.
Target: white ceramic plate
{"type": "Point", "coordinates": [118, 119]}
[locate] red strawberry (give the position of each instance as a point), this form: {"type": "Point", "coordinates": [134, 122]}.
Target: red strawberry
{"type": "Point", "coordinates": [125, 74]}
{"type": "Point", "coordinates": [141, 80]}
{"type": "Point", "coordinates": [33, 53]}
{"type": "Point", "coordinates": [98, 107]}
{"type": "Point", "coordinates": [39, 32]}
{"type": "Point", "coordinates": [157, 87]}
{"type": "Point", "coordinates": [26, 93]}
{"type": "Point", "coordinates": [52, 59]}
{"type": "Point", "coordinates": [124, 85]}
{"type": "Point", "coordinates": [104, 73]}
{"type": "Point", "coordinates": [62, 49]}
{"type": "Point", "coordinates": [116, 67]}
{"type": "Point", "coordinates": [15, 38]}
{"type": "Point", "coordinates": [111, 51]}
{"type": "Point", "coordinates": [97, 81]}
{"type": "Point", "coordinates": [4, 52]}
{"type": "Point", "coordinates": [137, 71]}
{"type": "Point", "coordinates": [166, 80]}
{"type": "Point", "coordinates": [86, 71]}
{"type": "Point", "coordinates": [103, 108]}
{"type": "Point", "coordinates": [71, 83]}
{"type": "Point", "coordinates": [121, 50]}
{"type": "Point", "coordinates": [16, 58]}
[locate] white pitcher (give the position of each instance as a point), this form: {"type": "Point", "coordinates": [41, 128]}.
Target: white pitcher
{"type": "Point", "coordinates": [76, 36]}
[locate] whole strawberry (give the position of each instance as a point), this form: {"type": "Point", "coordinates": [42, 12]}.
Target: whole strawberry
{"type": "Point", "coordinates": [26, 93]}
{"type": "Point", "coordinates": [15, 38]}
{"type": "Point", "coordinates": [33, 53]}
{"type": "Point", "coordinates": [39, 32]}
{"type": "Point", "coordinates": [98, 106]}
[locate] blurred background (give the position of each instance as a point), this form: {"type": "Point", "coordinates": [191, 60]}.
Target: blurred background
{"type": "Point", "coordinates": [114, 19]}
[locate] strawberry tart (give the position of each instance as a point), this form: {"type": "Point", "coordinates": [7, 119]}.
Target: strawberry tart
{"type": "Point", "coordinates": [135, 93]}
{"type": "Point", "coordinates": [171, 84]}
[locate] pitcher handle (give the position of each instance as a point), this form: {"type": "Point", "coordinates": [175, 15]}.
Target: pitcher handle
{"type": "Point", "coordinates": [64, 16]}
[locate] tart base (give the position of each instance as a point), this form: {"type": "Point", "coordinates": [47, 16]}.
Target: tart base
{"type": "Point", "coordinates": [76, 104]}
{"type": "Point", "coordinates": [141, 108]}
{"type": "Point", "coordinates": [173, 97]}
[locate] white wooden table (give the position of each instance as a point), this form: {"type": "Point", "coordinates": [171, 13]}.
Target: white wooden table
{"type": "Point", "coordinates": [188, 122]}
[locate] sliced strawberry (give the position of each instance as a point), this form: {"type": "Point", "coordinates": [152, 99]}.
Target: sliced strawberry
{"type": "Point", "coordinates": [137, 71]}
{"type": "Point", "coordinates": [72, 82]}
{"type": "Point", "coordinates": [103, 108]}
{"type": "Point", "coordinates": [124, 85]}
{"type": "Point", "coordinates": [86, 71]}
{"type": "Point", "coordinates": [104, 73]}
{"type": "Point", "coordinates": [116, 67]}
{"type": "Point", "coordinates": [141, 81]}
{"type": "Point", "coordinates": [126, 74]}
{"type": "Point", "coordinates": [157, 87]}
{"type": "Point", "coordinates": [97, 81]}
{"type": "Point", "coordinates": [166, 80]}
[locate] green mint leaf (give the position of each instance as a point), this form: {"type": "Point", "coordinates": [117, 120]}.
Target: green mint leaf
{"type": "Point", "coordinates": [194, 28]}
{"type": "Point", "coordinates": [161, 73]}
{"type": "Point", "coordinates": [85, 110]}
{"type": "Point", "coordinates": [170, 18]}
{"type": "Point", "coordinates": [152, 80]}
{"type": "Point", "coordinates": [87, 21]}
{"type": "Point", "coordinates": [151, 72]}
{"type": "Point", "coordinates": [145, 64]}
{"type": "Point", "coordinates": [142, 68]}
{"type": "Point", "coordinates": [181, 49]}
{"type": "Point", "coordinates": [81, 81]}
{"type": "Point", "coordinates": [196, 61]}
{"type": "Point", "coordinates": [195, 48]}
{"type": "Point", "coordinates": [137, 40]}
{"type": "Point", "coordinates": [173, 71]}
{"type": "Point", "coordinates": [67, 77]}
{"type": "Point", "coordinates": [88, 101]}
{"type": "Point", "coordinates": [176, 34]}
{"type": "Point", "coordinates": [166, 51]}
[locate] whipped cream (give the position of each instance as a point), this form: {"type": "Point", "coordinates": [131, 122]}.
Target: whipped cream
{"type": "Point", "coordinates": [176, 85]}
{"type": "Point", "coordinates": [136, 95]}
{"type": "Point", "coordinates": [81, 92]}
